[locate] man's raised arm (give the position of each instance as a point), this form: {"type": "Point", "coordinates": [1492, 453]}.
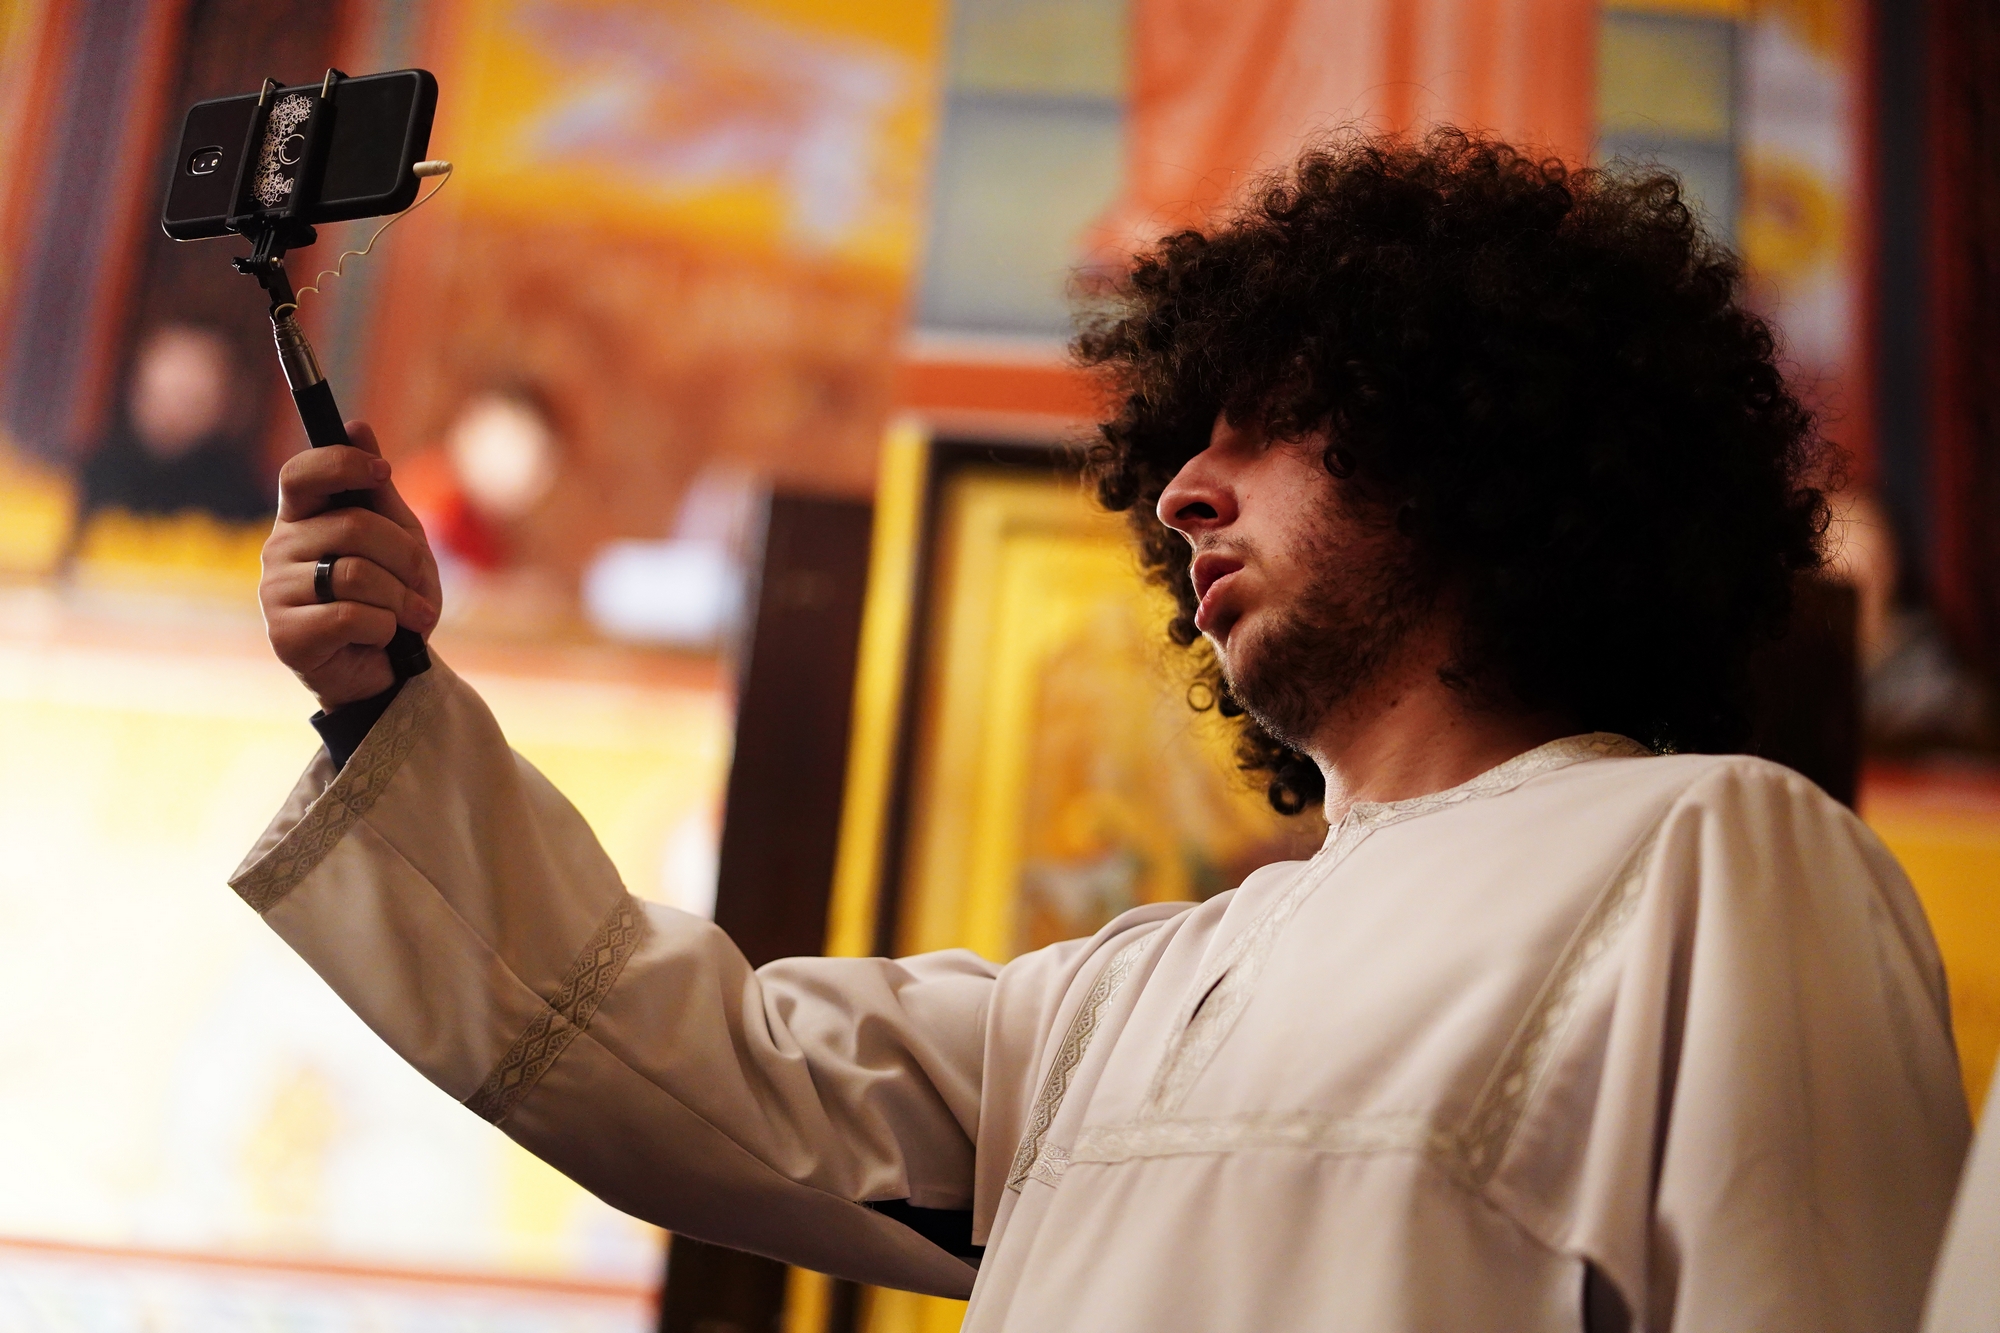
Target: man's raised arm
{"type": "Point", "coordinates": [463, 908]}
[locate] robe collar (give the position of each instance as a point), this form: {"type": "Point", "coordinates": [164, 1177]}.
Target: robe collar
{"type": "Point", "coordinates": [1503, 777]}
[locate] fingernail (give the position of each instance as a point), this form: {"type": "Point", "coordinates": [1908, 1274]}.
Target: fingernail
{"type": "Point", "coordinates": [380, 469]}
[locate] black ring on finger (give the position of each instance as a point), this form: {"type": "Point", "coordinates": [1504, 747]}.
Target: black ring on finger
{"type": "Point", "coordinates": [323, 578]}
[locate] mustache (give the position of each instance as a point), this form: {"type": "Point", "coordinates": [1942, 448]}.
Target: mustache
{"type": "Point", "coordinates": [1236, 548]}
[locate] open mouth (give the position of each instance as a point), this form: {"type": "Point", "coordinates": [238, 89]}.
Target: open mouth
{"type": "Point", "coordinates": [1210, 571]}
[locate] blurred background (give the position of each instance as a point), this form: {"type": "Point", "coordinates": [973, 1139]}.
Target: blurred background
{"type": "Point", "coordinates": [734, 320]}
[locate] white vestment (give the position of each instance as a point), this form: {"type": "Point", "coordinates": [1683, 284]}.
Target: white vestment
{"type": "Point", "coordinates": [1965, 1292]}
{"type": "Point", "coordinates": [1677, 1018]}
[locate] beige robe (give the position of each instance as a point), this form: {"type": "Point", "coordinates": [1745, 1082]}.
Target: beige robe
{"type": "Point", "coordinates": [1965, 1291]}
{"type": "Point", "coordinates": [1679, 1018]}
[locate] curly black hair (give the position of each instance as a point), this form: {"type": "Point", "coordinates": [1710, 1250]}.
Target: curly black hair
{"type": "Point", "coordinates": [1550, 375]}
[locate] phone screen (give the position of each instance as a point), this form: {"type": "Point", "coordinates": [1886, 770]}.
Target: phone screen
{"type": "Point", "coordinates": [381, 126]}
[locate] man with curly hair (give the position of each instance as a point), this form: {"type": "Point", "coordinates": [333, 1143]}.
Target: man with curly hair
{"type": "Point", "coordinates": [1476, 485]}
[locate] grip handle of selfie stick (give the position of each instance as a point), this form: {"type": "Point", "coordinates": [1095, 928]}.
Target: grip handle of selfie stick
{"type": "Point", "coordinates": [321, 417]}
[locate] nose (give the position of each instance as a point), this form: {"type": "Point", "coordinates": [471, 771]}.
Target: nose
{"type": "Point", "coordinates": [1201, 497]}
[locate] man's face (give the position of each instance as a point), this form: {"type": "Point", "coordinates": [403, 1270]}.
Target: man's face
{"type": "Point", "coordinates": [1306, 589]}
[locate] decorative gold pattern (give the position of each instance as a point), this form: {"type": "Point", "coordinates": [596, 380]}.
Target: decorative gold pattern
{"type": "Point", "coordinates": [1049, 1165]}
{"type": "Point", "coordinates": [1222, 989]}
{"type": "Point", "coordinates": [567, 1013]}
{"type": "Point", "coordinates": [1068, 1056]}
{"type": "Point", "coordinates": [288, 118]}
{"type": "Point", "coordinates": [350, 795]}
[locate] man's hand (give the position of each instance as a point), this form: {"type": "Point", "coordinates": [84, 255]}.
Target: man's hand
{"type": "Point", "coordinates": [385, 575]}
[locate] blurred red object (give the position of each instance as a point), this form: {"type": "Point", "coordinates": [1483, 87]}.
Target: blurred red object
{"type": "Point", "coordinates": [451, 522]}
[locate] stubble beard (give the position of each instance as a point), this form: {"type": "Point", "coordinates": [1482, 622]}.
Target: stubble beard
{"type": "Point", "coordinates": [1334, 641]}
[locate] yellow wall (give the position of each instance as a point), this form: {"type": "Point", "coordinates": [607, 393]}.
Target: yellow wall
{"type": "Point", "coordinates": [203, 1090]}
{"type": "Point", "coordinates": [1948, 838]}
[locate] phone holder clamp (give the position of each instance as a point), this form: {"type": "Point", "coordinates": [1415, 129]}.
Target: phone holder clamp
{"type": "Point", "coordinates": [271, 232]}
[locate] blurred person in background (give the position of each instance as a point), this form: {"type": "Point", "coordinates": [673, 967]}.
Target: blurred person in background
{"type": "Point", "coordinates": [480, 491]}
{"type": "Point", "coordinates": [1474, 485]}
{"type": "Point", "coordinates": [179, 445]}
{"type": "Point", "coordinates": [1917, 695]}
{"type": "Point", "coordinates": [498, 462]}
{"type": "Point", "coordinates": [483, 494]}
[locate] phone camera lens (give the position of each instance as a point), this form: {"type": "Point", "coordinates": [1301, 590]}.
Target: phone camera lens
{"type": "Point", "coordinates": [291, 148]}
{"type": "Point", "coordinates": [205, 162]}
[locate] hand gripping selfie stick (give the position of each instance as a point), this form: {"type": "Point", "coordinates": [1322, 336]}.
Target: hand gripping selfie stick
{"type": "Point", "coordinates": [270, 235]}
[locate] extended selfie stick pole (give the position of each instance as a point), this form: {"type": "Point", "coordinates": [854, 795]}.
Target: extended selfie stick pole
{"type": "Point", "coordinates": [271, 237]}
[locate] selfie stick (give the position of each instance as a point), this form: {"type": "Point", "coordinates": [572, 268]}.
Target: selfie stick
{"type": "Point", "coordinates": [270, 236]}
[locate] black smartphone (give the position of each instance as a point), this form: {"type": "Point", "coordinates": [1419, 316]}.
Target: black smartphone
{"type": "Point", "coordinates": [380, 127]}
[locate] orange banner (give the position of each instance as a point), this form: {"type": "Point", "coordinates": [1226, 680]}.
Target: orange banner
{"type": "Point", "coordinates": [1224, 89]}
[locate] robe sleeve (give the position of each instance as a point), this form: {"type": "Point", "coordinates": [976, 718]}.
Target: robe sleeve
{"type": "Point", "coordinates": [1965, 1290]}
{"type": "Point", "coordinates": [464, 910]}
{"type": "Point", "coordinates": [1778, 1120]}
